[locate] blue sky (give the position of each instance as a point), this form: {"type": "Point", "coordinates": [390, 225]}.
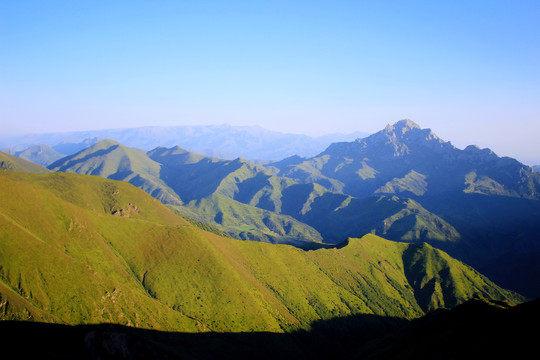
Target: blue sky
{"type": "Point", "coordinates": [469, 70]}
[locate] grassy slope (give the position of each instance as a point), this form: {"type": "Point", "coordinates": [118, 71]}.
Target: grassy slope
{"type": "Point", "coordinates": [10, 162]}
{"type": "Point", "coordinates": [177, 177]}
{"type": "Point", "coordinates": [248, 202]}
{"type": "Point", "coordinates": [112, 160]}
{"type": "Point", "coordinates": [81, 249]}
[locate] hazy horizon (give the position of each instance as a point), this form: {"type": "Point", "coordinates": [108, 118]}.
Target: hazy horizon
{"type": "Point", "coordinates": [470, 72]}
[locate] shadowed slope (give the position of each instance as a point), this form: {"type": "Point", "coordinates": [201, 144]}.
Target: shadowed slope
{"type": "Point", "coordinates": [248, 202]}
{"type": "Point", "coordinates": [212, 190]}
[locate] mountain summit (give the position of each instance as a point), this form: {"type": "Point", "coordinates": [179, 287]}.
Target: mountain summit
{"type": "Point", "coordinates": [401, 139]}
{"type": "Point", "coordinates": [403, 125]}
{"type": "Point", "coordinates": [405, 159]}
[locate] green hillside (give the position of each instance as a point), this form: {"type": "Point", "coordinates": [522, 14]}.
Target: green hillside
{"type": "Point", "coordinates": [248, 202]}
{"type": "Point", "coordinates": [470, 203]}
{"type": "Point", "coordinates": [13, 163]}
{"type": "Point", "coordinates": [82, 249]}
{"type": "Point", "coordinates": [193, 185]}
{"type": "Point", "coordinates": [112, 160]}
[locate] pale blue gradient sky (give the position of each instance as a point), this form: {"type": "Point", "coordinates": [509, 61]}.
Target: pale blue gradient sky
{"type": "Point", "coordinates": [470, 70]}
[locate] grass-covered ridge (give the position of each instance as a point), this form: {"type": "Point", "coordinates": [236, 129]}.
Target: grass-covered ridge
{"type": "Point", "coordinates": [81, 249]}
{"type": "Point", "coordinates": [14, 163]}
{"type": "Point", "coordinates": [247, 201]}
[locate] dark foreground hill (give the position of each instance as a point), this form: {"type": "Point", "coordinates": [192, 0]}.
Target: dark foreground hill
{"type": "Point", "coordinates": [77, 249]}
{"type": "Point", "coordinates": [478, 328]}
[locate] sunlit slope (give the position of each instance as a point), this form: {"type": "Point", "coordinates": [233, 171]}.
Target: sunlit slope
{"type": "Point", "coordinates": [191, 183]}
{"type": "Point", "coordinates": [82, 249]}
{"type": "Point", "coordinates": [13, 163]}
{"type": "Point", "coordinates": [112, 160]}
{"type": "Point", "coordinates": [247, 202]}
{"type": "Point", "coordinates": [56, 262]}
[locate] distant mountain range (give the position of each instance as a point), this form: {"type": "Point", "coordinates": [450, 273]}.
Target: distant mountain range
{"type": "Point", "coordinates": [14, 163]}
{"type": "Point", "coordinates": [223, 141]}
{"type": "Point", "coordinates": [403, 183]}
{"type": "Point", "coordinates": [405, 160]}
{"type": "Point", "coordinates": [104, 262]}
{"type": "Point", "coordinates": [248, 202]}
{"type": "Point", "coordinates": [38, 154]}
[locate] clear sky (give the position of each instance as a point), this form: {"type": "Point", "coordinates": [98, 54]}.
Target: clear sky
{"type": "Point", "coordinates": [469, 70]}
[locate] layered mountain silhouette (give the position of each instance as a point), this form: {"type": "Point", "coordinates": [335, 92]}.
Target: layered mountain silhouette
{"type": "Point", "coordinates": [249, 202]}
{"type": "Point", "coordinates": [40, 154]}
{"type": "Point", "coordinates": [406, 160]}
{"type": "Point", "coordinates": [91, 266]}
{"type": "Point", "coordinates": [403, 183]}
{"type": "Point", "coordinates": [491, 201]}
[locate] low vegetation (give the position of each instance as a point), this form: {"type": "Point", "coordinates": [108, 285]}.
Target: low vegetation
{"type": "Point", "coordinates": [81, 249]}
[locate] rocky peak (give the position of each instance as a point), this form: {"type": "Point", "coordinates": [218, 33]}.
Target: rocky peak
{"type": "Point", "coordinates": [402, 126]}
{"type": "Point", "coordinates": [400, 139]}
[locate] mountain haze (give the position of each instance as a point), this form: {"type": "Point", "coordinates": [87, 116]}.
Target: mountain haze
{"type": "Point", "coordinates": [226, 141]}
{"type": "Point", "coordinates": [39, 154]}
